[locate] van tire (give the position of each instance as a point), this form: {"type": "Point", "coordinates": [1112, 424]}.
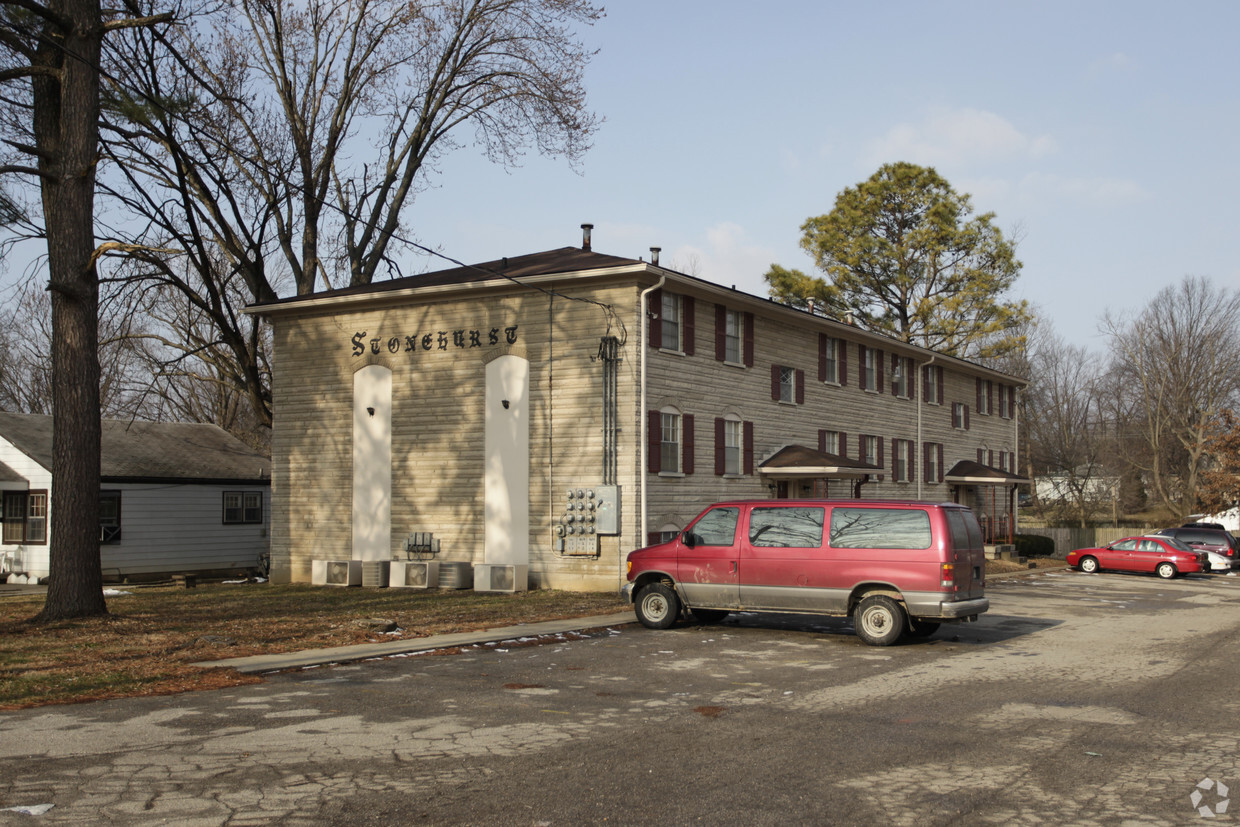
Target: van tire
{"type": "Point", "coordinates": [879, 620]}
{"type": "Point", "coordinates": [657, 606]}
{"type": "Point", "coordinates": [709, 615]}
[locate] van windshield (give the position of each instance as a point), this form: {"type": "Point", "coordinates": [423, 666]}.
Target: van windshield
{"type": "Point", "coordinates": [880, 528]}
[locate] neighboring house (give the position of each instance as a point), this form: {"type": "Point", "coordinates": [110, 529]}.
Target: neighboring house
{"type": "Point", "coordinates": [174, 498]}
{"type": "Point", "coordinates": [554, 411]}
{"type": "Point", "coordinates": [1058, 486]}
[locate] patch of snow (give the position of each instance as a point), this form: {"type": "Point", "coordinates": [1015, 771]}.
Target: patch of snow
{"type": "Point", "coordinates": [114, 592]}
{"type": "Point", "coordinates": [32, 810]}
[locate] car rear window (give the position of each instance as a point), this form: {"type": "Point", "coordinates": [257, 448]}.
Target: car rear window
{"type": "Point", "coordinates": [880, 528]}
{"type": "Point", "coordinates": [786, 527]}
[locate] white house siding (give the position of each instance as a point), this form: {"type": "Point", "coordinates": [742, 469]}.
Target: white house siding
{"type": "Point", "coordinates": [32, 559]}
{"type": "Point", "coordinates": [169, 528]}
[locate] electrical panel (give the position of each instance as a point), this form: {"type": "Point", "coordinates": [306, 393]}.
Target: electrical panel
{"type": "Point", "coordinates": [589, 511]}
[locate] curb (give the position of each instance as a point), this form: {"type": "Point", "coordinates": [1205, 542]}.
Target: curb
{"type": "Point", "coordinates": [366, 651]}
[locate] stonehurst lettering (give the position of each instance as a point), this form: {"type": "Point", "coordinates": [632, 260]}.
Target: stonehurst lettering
{"type": "Point", "coordinates": [460, 339]}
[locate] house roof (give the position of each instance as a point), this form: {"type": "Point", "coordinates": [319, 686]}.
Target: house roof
{"type": "Point", "coordinates": [800, 461]}
{"type": "Point", "coordinates": [7, 474]}
{"type": "Point", "coordinates": [149, 451]}
{"type": "Point", "coordinates": [974, 472]}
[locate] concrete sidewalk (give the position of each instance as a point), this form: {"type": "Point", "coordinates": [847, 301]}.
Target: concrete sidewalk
{"type": "Point", "coordinates": [364, 651]}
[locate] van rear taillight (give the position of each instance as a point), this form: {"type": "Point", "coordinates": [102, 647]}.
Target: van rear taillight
{"type": "Point", "coordinates": [949, 575]}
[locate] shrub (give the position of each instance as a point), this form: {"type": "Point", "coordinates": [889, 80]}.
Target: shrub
{"type": "Point", "coordinates": [1034, 545]}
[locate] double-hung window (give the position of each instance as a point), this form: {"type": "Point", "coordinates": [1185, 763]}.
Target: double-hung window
{"type": "Point", "coordinates": [109, 516]}
{"type": "Point", "coordinates": [902, 460]}
{"type": "Point", "coordinates": [901, 377]}
{"type": "Point", "coordinates": [869, 368]}
{"type": "Point", "coordinates": [670, 318]}
{"type": "Point", "coordinates": [243, 507]}
{"type": "Point", "coordinates": [832, 352]}
{"type": "Point", "coordinates": [25, 517]}
{"type": "Point", "coordinates": [960, 416]}
{"type": "Point", "coordinates": [669, 443]}
{"type": "Point", "coordinates": [869, 449]}
{"type": "Point", "coordinates": [733, 435]}
{"type": "Point", "coordinates": [787, 384]}
{"type": "Point", "coordinates": [733, 336]}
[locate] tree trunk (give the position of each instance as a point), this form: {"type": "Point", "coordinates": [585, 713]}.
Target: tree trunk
{"type": "Point", "coordinates": [66, 124]}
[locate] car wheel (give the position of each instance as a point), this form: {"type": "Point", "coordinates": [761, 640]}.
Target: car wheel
{"type": "Point", "coordinates": [657, 606]}
{"type": "Point", "coordinates": [1089, 565]}
{"type": "Point", "coordinates": [922, 628]}
{"type": "Point", "coordinates": [879, 620]}
{"type": "Point", "coordinates": [709, 615]}
{"type": "Point", "coordinates": [1166, 571]}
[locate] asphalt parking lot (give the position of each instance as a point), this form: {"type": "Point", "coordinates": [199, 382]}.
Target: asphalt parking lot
{"type": "Point", "coordinates": [1078, 699]}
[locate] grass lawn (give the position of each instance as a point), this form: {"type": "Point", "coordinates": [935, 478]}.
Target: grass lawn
{"type": "Point", "coordinates": [145, 644]}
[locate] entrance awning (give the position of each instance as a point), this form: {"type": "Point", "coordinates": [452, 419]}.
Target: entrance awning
{"type": "Point", "coordinates": [967, 472]}
{"type": "Point", "coordinates": [10, 480]}
{"type": "Point", "coordinates": [797, 461]}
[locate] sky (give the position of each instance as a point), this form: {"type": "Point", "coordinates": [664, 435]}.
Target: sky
{"type": "Point", "coordinates": [1102, 135]}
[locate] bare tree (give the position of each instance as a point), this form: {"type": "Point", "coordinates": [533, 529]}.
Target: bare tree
{"type": "Point", "coordinates": [272, 144]}
{"type": "Point", "coordinates": [1178, 360]}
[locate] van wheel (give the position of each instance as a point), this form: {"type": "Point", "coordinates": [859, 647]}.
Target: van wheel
{"type": "Point", "coordinates": [922, 628]}
{"type": "Point", "coordinates": [657, 606]}
{"type": "Point", "coordinates": [879, 620]}
{"type": "Point", "coordinates": [1166, 571]}
{"type": "Point", "coordinates": [709, 615]}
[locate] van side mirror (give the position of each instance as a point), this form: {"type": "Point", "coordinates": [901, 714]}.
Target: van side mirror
{"type": "Point", "coordinates": [689, 539]}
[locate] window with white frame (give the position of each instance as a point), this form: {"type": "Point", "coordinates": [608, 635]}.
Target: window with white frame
{"type": "Point", "coordinates": [960, 416]}
{"type": "Point", "coordinates": [787, 384]}
{"type": "Point", "coordinates": [902, 377]}
{"type": "Point", "coordinates": [869, 368]}
{"type": "Point", "coordinates": [243, 507]}
{"type": "Point", "coordinates": [25, 517]}
{"type": "Point", "coordinates": [869, 449]}
{"type": "Point", "coordinates": [934, 467]}
{"type": "Point", "coordinates": [902, 462]}
{"type": "Point", "coordinates": [832, 352]}
{"type": "Point", "coordinates": [670, 318]}
{"type": "Point", "coordinates": [733, 336]}
{"type": "Point", "coordinates": [985, 395]}
{"type": "Point", "coordinates": [930, 378]}
{"type": "Point", "coordinates": [733, 437]}
{"type": "Point", "coordinates": [1004, 410]}
{"type": "Point", "coordinates": [669, 442]}
{"type": "Point", "coordinates": [831, 442]}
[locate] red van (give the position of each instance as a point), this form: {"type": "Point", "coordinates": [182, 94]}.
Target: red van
{"type": "Point", "coordinates": [895, 567]}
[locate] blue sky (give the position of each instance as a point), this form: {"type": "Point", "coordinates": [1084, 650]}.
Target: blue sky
{"type": "Point", "coordinates": [1104, 135]}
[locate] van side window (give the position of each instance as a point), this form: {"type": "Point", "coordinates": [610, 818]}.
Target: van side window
{"type": "Point", "coordinates": [716, 528]}
{"type": "Point", "coordinates": [786, 527]}
{"type": "Point", "coordinates": [880, 528]}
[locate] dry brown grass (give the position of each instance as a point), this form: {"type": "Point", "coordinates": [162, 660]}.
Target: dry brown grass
{"type": "Point", "coordinates": [146, 643]}
{"type": "Point", "coordinates": [1009, 566]}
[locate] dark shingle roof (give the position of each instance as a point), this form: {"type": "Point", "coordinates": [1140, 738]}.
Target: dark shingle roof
{"type": "Point", "coordinates": [969, 471]}
{"type": "Point", "coordinates": [563, 260]}
{"type": "Point", "coordinates": [7, 474]}
{"type": "Point", "coordinates": [173, 451]}
{"type": "Point", "coordinates": [799, 457]}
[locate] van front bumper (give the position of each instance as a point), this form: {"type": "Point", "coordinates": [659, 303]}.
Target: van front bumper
{"type": "Point", "coordinates": [626, 592]}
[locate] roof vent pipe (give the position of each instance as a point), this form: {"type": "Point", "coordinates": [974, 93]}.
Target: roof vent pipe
{"type": "Point", "coordinates": [654, 255]}
{"type": "Point", "coordinates": [586, 229]}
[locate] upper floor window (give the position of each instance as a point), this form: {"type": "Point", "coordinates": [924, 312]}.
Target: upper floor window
{"type": "Point", "coordinates": [832, 354]}
{"type": "Point", "coordinates": [733, 336]}
{"type": "Point", "coordinates": [902, 377]}
{"type": "Point", "coordinates": [670, 442]}
{"type": "Point", "coordinates": [985, 397]}
{"type": "Point", "coordinates": [673, 322]}
{"type": "Point", "coordinates": [902, 460]}
{"type": "Point", "coordinates": [871, 368]}
{"type": "Point", "coordinates": [669, 318]}
{"type": "Point", "coordinates": [960, 416]}
{"type": "Point", "coordinates": [787, 384]}
{"type": "Point", "coordinates": [932, 384]}
{"type": "Point", "coordinates": [1004, 408]}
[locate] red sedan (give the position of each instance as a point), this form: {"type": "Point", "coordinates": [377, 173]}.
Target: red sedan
{"type": "Point", "coordinates": [1164, 556]}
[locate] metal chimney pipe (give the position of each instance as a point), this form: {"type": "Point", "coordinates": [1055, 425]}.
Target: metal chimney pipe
{"type": "Point", "coordinates": [654, 255]}
{"type": "Point", "coordinates": [586, 229]}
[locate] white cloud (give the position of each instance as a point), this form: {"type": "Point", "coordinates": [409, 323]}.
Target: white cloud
{"type": "Point", "coordinates": [955, 137]}
{"type": "Point", "coordinates": [1049, 189]}
{"type": "Point", "coordinates": [727, 257]}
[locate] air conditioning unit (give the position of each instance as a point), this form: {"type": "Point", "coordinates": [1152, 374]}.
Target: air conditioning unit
{"type": "Point", "coordinates": [336, 572]}
{"type": "Point", "coordinates": [491, 577]}
{"type": "Point", "coordinates": [414, 574]}
{"type": "Point", "coordinates": [453, 575]}
{"type": "Point", "coordinates": [375, 573]}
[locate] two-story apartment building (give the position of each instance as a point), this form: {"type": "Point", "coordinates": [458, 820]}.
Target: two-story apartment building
{"type": "Point", "coordinates": [559, 409]}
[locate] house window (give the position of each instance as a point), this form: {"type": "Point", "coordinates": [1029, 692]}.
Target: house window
{"type": "Point", "coordinates": [960, 416]}
{"type": "Point", "coordinates": [901, 377]}
{"type": "Point", "coordinates": [869, 449]}
{"type": "Point", "coordinates": [831, 443]}
{"type": "Point", "coordinates": [930, 385]}
{"type": "Point", "coordinates": [985, 397]}
{"type": "Point", "coordinates": [902, 461]}
{"type": "Point", "coordinates": [732, 446]}
{"type": "Point", "coordinates": [25, 517]}
{"type": "Point", "coordinates": [870, 368]}
{"type": "Point", "coordinates": [831, 360]}
{"type": "Point", "coordinates": [109, 516]}
{"type": "Point", "coordinates": [243, 507]}
{"type": "Point", "coordinates": [733, 336]}
{"type": "Point", "coordinates": [933, 462]}
{"type": "Point", "coordinates": [1004, 410]}
{"type": "Point", "coordinates": [670, 320]}
{"type": "Point", "coordinates": [669, 443]}
{"type": "Point", "coordinates": [787, 385]}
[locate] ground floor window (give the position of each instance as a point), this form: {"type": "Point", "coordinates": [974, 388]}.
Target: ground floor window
{"type": "Point", "coordinates": [109, 516]}
{"type": "Point", "coordinates": [243, 507]}
{"type": "Point", "coordinates": [25, 517]}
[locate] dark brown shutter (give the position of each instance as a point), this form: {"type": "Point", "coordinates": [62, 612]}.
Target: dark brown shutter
{"type": "Point", "coordinates": [926, 448]}
{"type": "Point", "coordinates": [841, 359]}
{"type": "Point", "coordinates": [686, 423]}
{"type": "Point", "coordinates": [720, 464]}
{"type": "Point", "coordinates": [878, 365]}
{"type": "Point", "coordinates": [878, 441]}
{"type": "Point", "coordinates": [990, 458]}
{"type": "Point", "coordinates": [688, 325]}
{"type": "Point", "coordinates": [990, 396]}
{"type": "Point", "coordinates": [979, 394]}
{"type": "Point", "coordinates": [981, 456]}
{"type": "Point", "coordinates": [747, 430]}
{"type": "Point", "coordinates": [748, 340]}
{"type": "Point", "coordinates": [940, 449]}
{"type": "Point", "coordinates": [843, 438]}
{"type": "Point", "coordinates": [861, 366]}
{"type": "Point", "coordinates": [895, 456]}
{"type": "Point", "coordinates": [654, 441]}
{"type": "Point", "coordinates": [800, 389]}
{"type": "Point", "coordinates": [939, 386]}
{"type": "Point", "coordinates": [1012, 402]}
{"type": "Point", "coordinates": [912, 461]}
{"type": "Point", "coordinates": [822, 440]}
{"type": "Point", "coordinates": [895, 370]}
{"type": "Point", "coordinates": [966, 417]}
{"type": "Point", "coordinates": [656, 319]}
{"type": "Point", "coordinates": [822, 357]}
{"type": "Point", "coordinates": [774, 383]}
{"type": "Point", "coordinates": [721, 332]}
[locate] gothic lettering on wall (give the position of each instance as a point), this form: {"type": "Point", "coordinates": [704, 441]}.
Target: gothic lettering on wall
{"type": "Point", "coordinates": [446, 340]}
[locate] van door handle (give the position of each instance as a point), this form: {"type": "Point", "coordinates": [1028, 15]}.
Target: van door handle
{"type": "Point", "coordinates": [734, 567]}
